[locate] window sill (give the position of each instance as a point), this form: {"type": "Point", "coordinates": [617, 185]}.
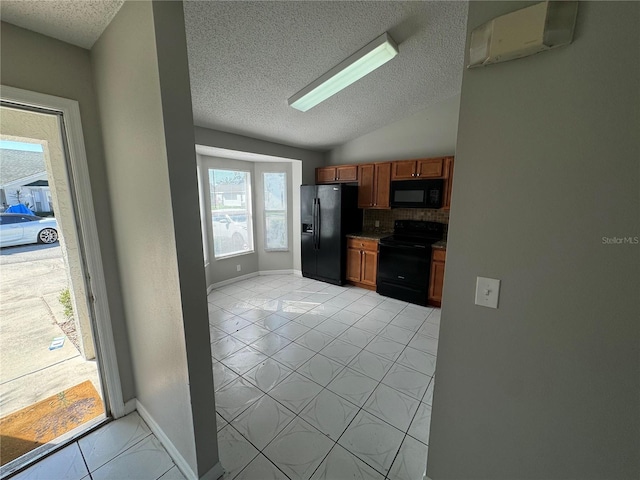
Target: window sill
{"type": "Point", "coordinates": [233, 255]}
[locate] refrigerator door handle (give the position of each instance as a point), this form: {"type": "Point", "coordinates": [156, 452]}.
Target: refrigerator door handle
{"type": "Point", "coordinates": [318, 226]}
{"type": "Point", "coordinates": [315, 224]}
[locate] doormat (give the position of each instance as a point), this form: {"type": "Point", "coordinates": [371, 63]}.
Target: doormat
{"type": "Point", "coordinates": [37, 424]}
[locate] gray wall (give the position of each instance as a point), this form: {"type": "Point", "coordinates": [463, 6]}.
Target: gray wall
{"type": "Point", "coordinates": [271, 260]}
{"type": "Point", "coordinates": [142, 83]}
{"type": "Point", "coordinates": [221, 269]}
{"type": "Point", "coordinates": [546, 386]}
{"type": "Point", "coordinates": [310, 159]}
{"type": "Point", "coordinates": [175, 88]}
{"type": "Point", "coordinates": [428, 133]}
{"type": "Point", "coordinates": [41, 64]}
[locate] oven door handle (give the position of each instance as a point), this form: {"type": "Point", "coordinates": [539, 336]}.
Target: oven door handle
{"type": "Point", "coordinates": [393, 245]}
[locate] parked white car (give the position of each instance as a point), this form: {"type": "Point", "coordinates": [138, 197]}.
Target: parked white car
{"type": "Point", "coordinates": [21, 229]}
{"type": "Point", "coordinates": [230, 232]}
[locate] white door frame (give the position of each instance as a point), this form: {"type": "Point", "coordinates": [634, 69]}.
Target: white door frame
{"type": "Point", "coordinates": [83, 202]}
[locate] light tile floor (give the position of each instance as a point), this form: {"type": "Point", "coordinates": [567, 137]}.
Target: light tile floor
{"type": "Point", "coordinates": [125, 448]}
{"type": "Point", "coordinates": [313, 381]}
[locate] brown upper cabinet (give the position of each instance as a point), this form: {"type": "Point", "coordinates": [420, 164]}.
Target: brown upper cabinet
{"type": "Point", "coordinates": [374, 182]}
{"type": "Point", "coordinates": [342, 173]}
{"type": "Point", "coordinates": [417, 169]}
{"type": "Point", "coordinates": [374, 179]}
{"type": "Point", "coordinates": [448, 182]}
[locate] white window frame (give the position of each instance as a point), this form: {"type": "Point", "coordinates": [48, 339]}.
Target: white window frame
{"type": "Point", "coordinates": [266, 211]}
{"type": "Point", "coordinates": [249, 203]}
{"type": "Point", "coordinates": [203, 210]}
{"type": "Point", "coordinates": [90, 240]}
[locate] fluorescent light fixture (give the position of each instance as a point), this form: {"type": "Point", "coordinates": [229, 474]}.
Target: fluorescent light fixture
{"type": "Point", "coordinates": [361, 63]}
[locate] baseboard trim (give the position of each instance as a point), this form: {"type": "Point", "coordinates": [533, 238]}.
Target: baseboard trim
{"type": "Point", "coordinates": [275, 272]}
{"type": "Point", "coordinates": [168, 445]}
{"type": "Point", "coordinates": [215, 473]}
{"type": "Point", "coordinates": [130, 406]}
{"type": "Point", "coordinates": [224, 283]}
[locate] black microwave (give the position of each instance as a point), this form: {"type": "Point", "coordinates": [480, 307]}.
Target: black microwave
{"type": "Point", "coordinates": [417, 193]}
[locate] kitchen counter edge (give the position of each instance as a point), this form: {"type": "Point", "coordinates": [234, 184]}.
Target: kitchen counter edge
{"type": "Point", "coordinates": [369, 235]}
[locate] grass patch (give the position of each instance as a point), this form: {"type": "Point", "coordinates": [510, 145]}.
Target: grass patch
{"type": "Point", "coordinates": [65, 299]}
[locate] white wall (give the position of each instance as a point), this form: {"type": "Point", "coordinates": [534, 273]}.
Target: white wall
{"type": "Point", "coordinates": [142, 84]}
{"type": "Point", "coordinates": [547, 163]}
{"type": "Point", "coordinates": [428, 133]}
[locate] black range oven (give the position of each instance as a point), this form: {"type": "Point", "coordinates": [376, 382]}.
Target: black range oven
{"type": "Point", "coordinates": [404, 260]}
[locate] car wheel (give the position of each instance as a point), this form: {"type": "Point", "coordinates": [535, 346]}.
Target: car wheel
{"type": "Point", "coordinates": [47, 235]}
{"type": "Point", "coordinates": [238, 242]}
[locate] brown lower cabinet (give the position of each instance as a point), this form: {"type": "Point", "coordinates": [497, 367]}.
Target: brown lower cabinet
{"type": "Point", "coordinates": [362, 262]}
{"type": "Point", "coordinates": [436, 278]}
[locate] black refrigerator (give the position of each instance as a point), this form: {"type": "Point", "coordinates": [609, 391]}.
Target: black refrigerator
{"type": "Point", "coordinates": [327, 213]}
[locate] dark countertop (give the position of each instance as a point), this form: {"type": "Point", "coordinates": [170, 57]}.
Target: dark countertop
{"type": "Point", "coordinates": [378, 235]}
{"type": "Point", "coordinates": [369, 235]}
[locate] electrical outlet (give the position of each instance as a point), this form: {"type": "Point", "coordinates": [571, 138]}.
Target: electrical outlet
{"type": "Point", "coordinates": [377, 223]}
{"type": "Point", "coordinates": [238, 268]}
{"type": "Point", "coordinates": [487, 292]}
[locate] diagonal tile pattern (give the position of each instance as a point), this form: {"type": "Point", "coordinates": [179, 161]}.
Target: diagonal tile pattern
{"type": "Point", "coordinates": [114, 438]}
{"type": "Point", "coordinates": [299, 449]}
{"type": "Point", "coordinates": [313, 381]}
{"type": "Point", "coordinates": [343, 388]}
{"type": "Point", "coordinates": [124, 448]}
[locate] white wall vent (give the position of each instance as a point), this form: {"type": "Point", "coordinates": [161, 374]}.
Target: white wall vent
{"type": "Point", "coordinates": [534, 29]}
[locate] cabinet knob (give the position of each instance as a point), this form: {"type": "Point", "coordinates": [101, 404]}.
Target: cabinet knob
{"type": "Point", "coordinates": [418, 175]}
{"type": "Point", "coordinates": [413, 174]}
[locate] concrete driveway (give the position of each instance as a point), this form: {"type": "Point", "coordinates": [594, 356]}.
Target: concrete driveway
{"type": "Point", "coordinates": [31, 279]}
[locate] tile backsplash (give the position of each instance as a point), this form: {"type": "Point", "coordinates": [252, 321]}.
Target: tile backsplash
{"type": "Point", "coordinates": [387, 217]}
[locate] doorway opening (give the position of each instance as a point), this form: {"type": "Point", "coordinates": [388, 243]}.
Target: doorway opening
{"type": "Point", "coordinates": [51, 386]}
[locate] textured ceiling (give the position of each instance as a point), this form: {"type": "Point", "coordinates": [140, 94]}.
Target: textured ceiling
{"type": "Point", "coordinates": [79, 22]}
{"type": "Point", "coordinates": [247, 58]}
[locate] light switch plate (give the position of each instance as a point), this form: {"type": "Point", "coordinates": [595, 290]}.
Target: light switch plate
{"type": "Point", "coordinates": [487, 292]}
